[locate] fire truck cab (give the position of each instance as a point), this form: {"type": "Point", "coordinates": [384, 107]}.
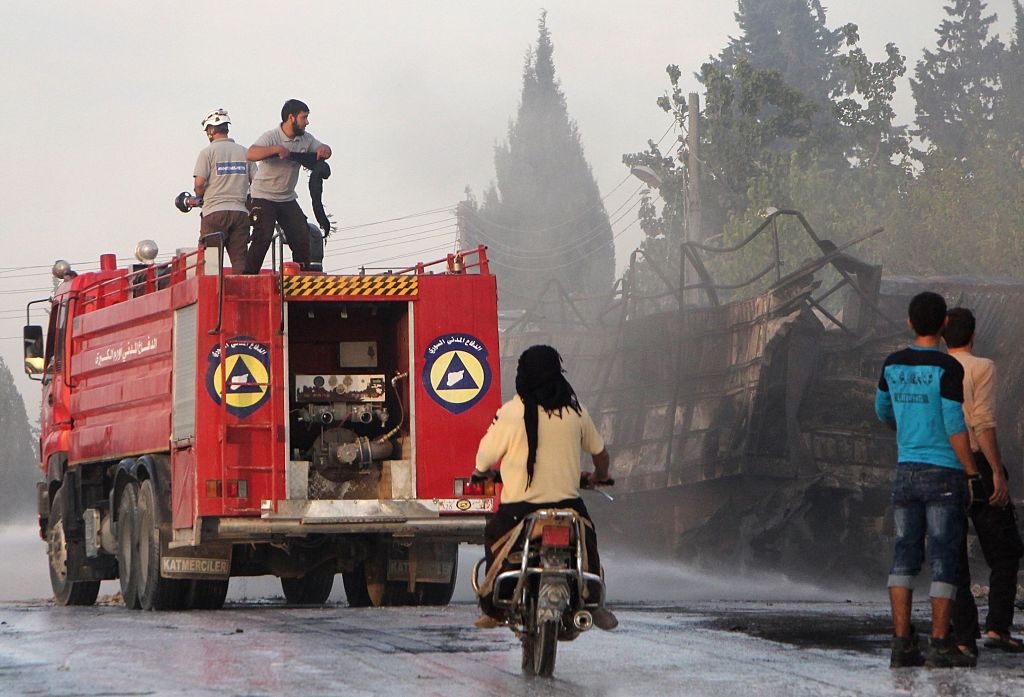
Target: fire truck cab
{"type": "Point", "coordinates": [198, 425]}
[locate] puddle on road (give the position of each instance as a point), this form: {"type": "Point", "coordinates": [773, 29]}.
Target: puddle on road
{"type": "Point", "coordinates": [863, 634]}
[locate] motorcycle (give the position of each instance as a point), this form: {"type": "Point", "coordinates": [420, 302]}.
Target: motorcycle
{"type": "Point", "coordinates": [542, 586]}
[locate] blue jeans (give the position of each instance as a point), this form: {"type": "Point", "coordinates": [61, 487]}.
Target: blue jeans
{"type": "Point", "coordinates": [930, 500]}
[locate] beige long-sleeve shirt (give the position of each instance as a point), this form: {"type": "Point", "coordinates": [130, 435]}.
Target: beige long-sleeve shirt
{"type": "Point", "coordinates": [979, 394]}
{"type": "Point", "coordinates": [562, 437]}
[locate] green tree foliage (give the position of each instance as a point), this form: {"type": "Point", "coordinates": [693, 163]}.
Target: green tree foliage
{"type": "Point", "coordinates": [961, 215]}
{"type": "Point", "coordinates": [543, 217]}
{"type": "Point", "coordinates": [956, 86]}
{"type": "Point", "coordinates": [791, 37]}
{"type": "Point", "coordinates": [1009, 113]}
{"type": "Point", "coordinates": [766, 143]}
{"type": "Point", "coordinates": [838, 156]}
{"type": "Point", "coordinates": [18, 473]}
{"type": "Point", "coordinates": [962, 212]}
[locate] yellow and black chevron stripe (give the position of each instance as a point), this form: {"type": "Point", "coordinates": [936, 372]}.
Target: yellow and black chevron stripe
{"type": "Point", "coordinates": [308, 286]}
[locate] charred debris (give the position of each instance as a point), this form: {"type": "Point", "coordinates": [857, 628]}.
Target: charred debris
{"type": "Point", "coordinates": [743, 432]}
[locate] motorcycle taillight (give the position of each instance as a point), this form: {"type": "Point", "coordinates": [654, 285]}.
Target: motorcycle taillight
{"type": "Point", "coordinates": [556, 536]}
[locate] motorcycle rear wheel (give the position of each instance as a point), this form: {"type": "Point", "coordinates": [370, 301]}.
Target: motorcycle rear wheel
{"type": "Point", "coordinates": [540, 643]}
{"type": "Point", "coordinates": [545, 647]}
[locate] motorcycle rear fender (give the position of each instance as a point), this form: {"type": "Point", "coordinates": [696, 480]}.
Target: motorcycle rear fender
{"type": "Point", "coordinates": [552, 598]}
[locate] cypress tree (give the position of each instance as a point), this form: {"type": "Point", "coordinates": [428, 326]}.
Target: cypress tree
{"type": "Point", "coordinates": [956, 86]}
{"type": "Point", "coordinates": [18, 473]}
{"type": "Point", "coordinates": [543, 217]}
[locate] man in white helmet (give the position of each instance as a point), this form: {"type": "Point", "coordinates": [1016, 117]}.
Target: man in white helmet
{"type": "Point", "coordinates": [222, 178]}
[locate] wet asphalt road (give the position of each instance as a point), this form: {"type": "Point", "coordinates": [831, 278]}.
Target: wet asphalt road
{"type": "Point", "coordinates": [719, 649]}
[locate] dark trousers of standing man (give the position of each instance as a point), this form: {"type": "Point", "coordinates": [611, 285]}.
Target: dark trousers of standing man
{"type": "Point", "coordinates": [293, 222]}
{"type": "Point", "coordinates": [1001, 545]}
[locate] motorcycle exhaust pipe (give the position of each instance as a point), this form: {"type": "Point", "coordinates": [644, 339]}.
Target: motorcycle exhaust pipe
{"type": "Point", "coordinates": [583, 620]}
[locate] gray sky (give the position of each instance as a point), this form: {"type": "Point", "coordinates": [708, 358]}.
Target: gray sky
{"type": "Point", "coordinates": [104, 101]}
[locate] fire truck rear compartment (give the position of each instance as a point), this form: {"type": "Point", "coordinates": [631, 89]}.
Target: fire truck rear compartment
{"type": "Point", "coordinates": [348, 401]}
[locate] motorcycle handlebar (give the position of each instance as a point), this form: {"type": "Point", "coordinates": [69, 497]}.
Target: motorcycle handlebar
{"type": "Point", "coordinates": [588, 482]}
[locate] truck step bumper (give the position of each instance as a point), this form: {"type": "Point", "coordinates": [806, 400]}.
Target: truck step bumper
{"type": "Point", "coordinates": [420, 517]}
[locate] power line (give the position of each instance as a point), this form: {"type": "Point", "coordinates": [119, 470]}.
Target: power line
{"type": "Point", "coordinates": [422, 234]}
{"type": "Point", "coordinates": [583, 213]}
{"type": "Point", "coordinates": [597, 231]}
{"type": "Point", "coordinates": [498, 262]}
{"type": "Point", "coordinates": [392, 220]}
{"type": "Point", "coordinates": [392, 258]}
{"type": "Point", "coordinates": [449, 219]}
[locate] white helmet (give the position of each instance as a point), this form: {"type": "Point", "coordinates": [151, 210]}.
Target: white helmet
{"type": "Point", "coordinates": [216, 118]}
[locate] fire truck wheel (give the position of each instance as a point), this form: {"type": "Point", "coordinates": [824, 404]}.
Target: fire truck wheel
{"type": "Point", "coordinates": [65, 556]}
{"type": "Point", "coordinates": [206, 595]}
{"type": "Point", "coordinates": [127, 515]}
{"type": "Point", "coordinates": [312, 589]}
{"type": "Point", "coordinates": [356, 591]}
{"type": "Point", "coordinates": [155, 592]}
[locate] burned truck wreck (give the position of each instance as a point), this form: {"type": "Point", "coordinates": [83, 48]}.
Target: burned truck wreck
{"type": "Point", "coordinates": [743, 432]}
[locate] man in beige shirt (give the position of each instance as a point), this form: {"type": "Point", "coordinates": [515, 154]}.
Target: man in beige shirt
{"type": "Point", "coordinates": [538, 437]}
{"type": "Point", "coordinates": [995, 520]}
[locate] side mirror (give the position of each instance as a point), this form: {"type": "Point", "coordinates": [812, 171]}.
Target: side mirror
{"type": "Point", "coordinates": [34, 350]}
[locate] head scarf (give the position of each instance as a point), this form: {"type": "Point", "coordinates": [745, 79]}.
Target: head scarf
{"type": "Point", "coordinates": [540, 383]}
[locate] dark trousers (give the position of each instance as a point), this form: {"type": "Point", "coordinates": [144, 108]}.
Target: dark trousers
{"type": "Point", "coordinates": [510, 514]}
{"type": "Point", "coordinates": [293, 222]}
{"type": "Point", "coordinates": [1002, 548]}
{"type": "Point", "coordinates": [234, 229]}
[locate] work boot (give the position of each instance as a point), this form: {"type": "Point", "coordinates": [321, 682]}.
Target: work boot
{"type": "Point", "coordinates": [604, 619]}
{"type": "Point", "coordinates": [944, 653]}
{"type": "Point", "coordinates": [905, 652]}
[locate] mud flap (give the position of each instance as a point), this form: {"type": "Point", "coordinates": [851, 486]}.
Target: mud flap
{"type": "Point", "coordinates": [425, 561]}
{"type": "Point", "coordinates": [208, 562]}
{"type": "Point", "coordinates": [552, 598]}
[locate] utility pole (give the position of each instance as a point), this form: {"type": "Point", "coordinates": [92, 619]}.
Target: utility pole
{"type": "Point", "coordinates": [694, 227]}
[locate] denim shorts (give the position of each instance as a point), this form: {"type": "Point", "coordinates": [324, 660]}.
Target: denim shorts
{"type": "Point", "coordinates": [928, 501]}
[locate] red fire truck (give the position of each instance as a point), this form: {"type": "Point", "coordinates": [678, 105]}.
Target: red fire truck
{"type": "Point", "coordinates": [198, 425]}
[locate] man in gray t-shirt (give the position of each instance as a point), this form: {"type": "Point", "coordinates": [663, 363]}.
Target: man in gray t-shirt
{"type": "Point", "coordinates": [222, 177]}
{"type": "Point", "coordinates": [273, 188]}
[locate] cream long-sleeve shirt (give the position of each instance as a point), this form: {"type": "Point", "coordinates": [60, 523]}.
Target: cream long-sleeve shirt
{"type": "Point", "coordinates": [562, 436]}
{"type": "Point", "coordinates": [979, 394]}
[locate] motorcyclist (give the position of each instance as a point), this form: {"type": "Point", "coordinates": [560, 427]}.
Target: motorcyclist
{"type": "Point", "coordinates": [538, 437]}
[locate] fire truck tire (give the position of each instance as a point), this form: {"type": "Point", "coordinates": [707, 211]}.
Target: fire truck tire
{"type": "Point", "coordinates": [356, 591]}
{"type": "Point", "coordinates": [206, 595]}
{"type": "Point", "coordinates": [312, 589]}
{"type": "Point", "coordinates": [127, 557]}
{"type": "Point", "coordinates": [155, 592]}
{"type": "Point", "coordinates": [65, 556]}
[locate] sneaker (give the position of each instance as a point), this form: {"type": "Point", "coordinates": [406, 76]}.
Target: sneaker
{"type": "Point", "coordinates": [905, 652]}
{"type": "Point", "coordinates": [486, 622]}
{"type": "Point", "coordinates": [604, 619]}
{"type": "Point", "coordinates": [944, 653]}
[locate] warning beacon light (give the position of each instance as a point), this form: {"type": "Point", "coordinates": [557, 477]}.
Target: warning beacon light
{"type": "Point", "coordinates": [62, 269]}
{"type": "Point", "coordinates": [146, 251]}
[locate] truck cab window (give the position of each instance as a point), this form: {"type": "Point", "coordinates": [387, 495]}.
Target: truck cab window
{"type": "Point", "coordinates": [55, 339]}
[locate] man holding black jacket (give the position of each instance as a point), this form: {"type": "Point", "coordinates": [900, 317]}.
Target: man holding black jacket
{"type": "Point", "coordinates": [279, 152]}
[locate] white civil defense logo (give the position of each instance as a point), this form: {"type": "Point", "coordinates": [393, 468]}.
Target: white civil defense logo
{"type": "Point", "coordinates": [246, 386]}
{"type": "Point", "coordinates": [455, 372]}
